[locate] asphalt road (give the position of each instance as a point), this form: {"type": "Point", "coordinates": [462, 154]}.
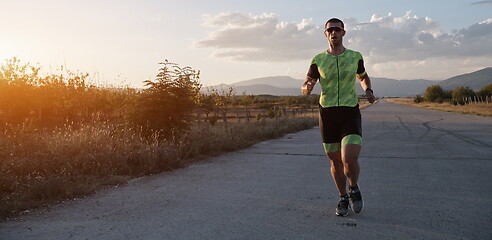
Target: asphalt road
{"type": "Point", "coordinates": [425, 175]}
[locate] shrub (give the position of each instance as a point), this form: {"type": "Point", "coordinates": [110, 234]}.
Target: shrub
{"type": "Point", "coordinates": [461, 93]}
{"type": "Point", "coordinates": [165, 107]}
{"type": "Point", "coordinates": [418, 99]}
{"type": "Point", "coordinates": [271, 113]}
{"type": "Point", "coordinates": [485, 91]}
{"type": "Point", "coordinates": [246, 100]}
{"type": "Point", "coordinates": [258, 116]}
{"type": "Point", "coordinates": [207, 104]}
{"type": "Point", "coordinates": [434, 93]}
{"type": "Point", "coordinates": [213, 119]}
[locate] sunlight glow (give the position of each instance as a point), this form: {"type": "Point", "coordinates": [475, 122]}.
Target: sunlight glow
{"type": "Point", "coordinates": [5, 52]}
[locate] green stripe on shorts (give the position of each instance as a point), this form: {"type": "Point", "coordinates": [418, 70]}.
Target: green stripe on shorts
{"type": "Point", "coordinates": [332, 147]}
{"type": "Point", "coordinates": [349, 139]}
{"type": "Point", "coordinates": [352, 139]}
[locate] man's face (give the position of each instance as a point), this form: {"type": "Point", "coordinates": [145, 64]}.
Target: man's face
{"type": "Point", "coordinates": [334, 32]}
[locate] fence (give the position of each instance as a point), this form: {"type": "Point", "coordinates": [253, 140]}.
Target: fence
{"type": "Point", "coordinates": [237, 114]}
{"type": "Point", "coordinates": [476, 100]}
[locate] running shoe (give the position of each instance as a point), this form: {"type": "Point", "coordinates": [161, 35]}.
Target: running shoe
{"type": "Point", "coordinates": [342, 208]}
{"type": "Point", "coordinates": [356, 202]}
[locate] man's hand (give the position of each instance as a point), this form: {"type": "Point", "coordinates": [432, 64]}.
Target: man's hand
{"type": "Point", "coordinates": [370, 95]}
{"type": "Point", "coordinates": [308, 86]}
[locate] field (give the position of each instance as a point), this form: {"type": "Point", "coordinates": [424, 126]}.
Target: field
{"type": "Point", "coordinates": [480, 109]}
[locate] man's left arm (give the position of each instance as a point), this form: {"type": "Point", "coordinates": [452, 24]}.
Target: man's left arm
{"type": "Point", "coordinates": [365, 83]}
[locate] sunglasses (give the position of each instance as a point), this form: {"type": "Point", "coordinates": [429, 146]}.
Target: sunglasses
{"type": "Point", "coordinates": [334, 29]}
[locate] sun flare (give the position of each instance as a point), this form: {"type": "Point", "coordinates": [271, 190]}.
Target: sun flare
{"type": "Point", "coordinates": [4, 52]}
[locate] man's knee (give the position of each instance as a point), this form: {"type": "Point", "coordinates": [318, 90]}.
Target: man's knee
{"type": "Point", "coordinates": [334, 156]}
{"type": "Point", "coordinates": [336, 161]}
{"type": "Point", "coordinates": [351, 164]}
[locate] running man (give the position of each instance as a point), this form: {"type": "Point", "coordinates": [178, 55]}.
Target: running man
{"type": "Point", "coordinates": [340, 119]}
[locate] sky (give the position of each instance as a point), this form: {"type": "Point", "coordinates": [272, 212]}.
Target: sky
{"type": "Point", "coordinates": [122, 42]}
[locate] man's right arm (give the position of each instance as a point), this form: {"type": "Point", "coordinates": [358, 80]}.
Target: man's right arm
{"type": "Point", "coordinates": [311, 79]}
{"type": "Point", "coordinates": [308, 85]}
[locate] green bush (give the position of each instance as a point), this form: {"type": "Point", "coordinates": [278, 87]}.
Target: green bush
{"type": "Point", "coordinates": [418, 99]}
{"type": "Point", "coordinates": [485, 91]}
{"type": "Point", "coordinates": [461, 93]}
{"type": "Point", "coordinates": [165, 107]}
{"type": "Point", "coordinates": [434, 93]}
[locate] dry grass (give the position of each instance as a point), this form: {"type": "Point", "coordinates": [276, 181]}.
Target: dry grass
{"type": "Point", "coordinates": [43, 167]}
{"type": "Point", "coordinates": [480, 109]}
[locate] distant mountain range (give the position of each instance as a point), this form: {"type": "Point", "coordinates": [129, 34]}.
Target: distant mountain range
{"type": "Point", "coordinates": [285, 85]}
{"type": "Point", "coordinates": [474, 80]}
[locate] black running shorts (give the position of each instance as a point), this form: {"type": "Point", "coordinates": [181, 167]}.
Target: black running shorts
{"type": "Point", "coordinates": [338, 122]}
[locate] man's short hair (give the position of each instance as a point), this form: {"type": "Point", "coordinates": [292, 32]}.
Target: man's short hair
{"type": "Point", "coordinates": [334, 20]}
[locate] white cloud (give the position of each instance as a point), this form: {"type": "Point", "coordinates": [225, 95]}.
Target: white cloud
{"type": "Point", "coordinates": [246, 37]}
{"type": "Point", "coordinates": [413, 38]}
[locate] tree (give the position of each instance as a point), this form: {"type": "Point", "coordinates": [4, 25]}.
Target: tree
{"type": "Point", "coordinates": [207, 104]}
{"type": "Point", "coordinates": [222, 101]}
{"type": "Point", "coordinates": [164, 109]}
{"type": "Point", "coordinates": [434, 93]}
{"type": "Point", "coordinates": [459, 94]}
{"type": "Point", "coordinates": [485, 91]}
